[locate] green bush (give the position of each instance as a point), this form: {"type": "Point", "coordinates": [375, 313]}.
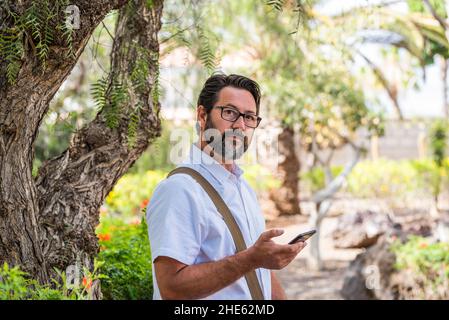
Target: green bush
{"type": "Point", "coordinates": [422, 255]}
{"type": "Point", "coordinates": [314, 179]}
{"type": "Point", "coordinates": [13, 284]}
{"type": "Point", "coordinates": [428, 262]}
{"type": "Point", "coordinates": [126, 259]}
{"type": "Point", "coordinates": [384, 178]}
{"type": "Point", "coordinates": [431, 176]}
{"type": "Point", "coordinates": [123, 265]}
{"type": "Point", "coordinates": [17, 285]}
{"type": "Point", "coordinates": [132, 191]}
{"type": "Point", "coordinates": [260, 178]}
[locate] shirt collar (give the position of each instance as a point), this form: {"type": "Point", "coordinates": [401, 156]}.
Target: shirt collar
{"type": "Point", "coordinates": [198, 157]}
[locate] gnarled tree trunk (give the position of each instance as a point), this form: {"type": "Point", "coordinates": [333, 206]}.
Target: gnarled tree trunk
{"type": "Point", "coordinates": [286, 198]}
{"type": "Point", "coordinates": [49, 222]}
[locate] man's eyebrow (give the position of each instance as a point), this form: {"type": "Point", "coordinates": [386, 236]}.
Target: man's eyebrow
{"type": "Point", "coordinates": [235, 107]}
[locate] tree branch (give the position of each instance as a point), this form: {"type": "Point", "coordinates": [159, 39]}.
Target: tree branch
{"type": "Point", "coordinates": [99, 155]}
{"type": "Point", "coordinates": [40, 87]}
{"type": "Point", "coordinates": [338, 181]}
{"type": "Point", "coordinates": [437, 17]}
{"type": "Point", "coordinates": [391, 90]}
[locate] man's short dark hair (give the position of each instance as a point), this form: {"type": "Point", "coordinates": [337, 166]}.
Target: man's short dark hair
{"type": "Point", "coordinates": [209, 94]}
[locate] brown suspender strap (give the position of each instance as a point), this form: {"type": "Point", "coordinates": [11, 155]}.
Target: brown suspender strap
{"type": "Point", "coordinates": [251, 277]}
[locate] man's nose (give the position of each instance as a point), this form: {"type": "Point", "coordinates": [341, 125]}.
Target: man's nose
{"type": "Point", "coordinates": [239, 123]}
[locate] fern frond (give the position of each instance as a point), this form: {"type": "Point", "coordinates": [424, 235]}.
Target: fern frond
{"type": "Point", "coordinates": [32, 20]}
{"type": "Point", "coordinates": [98, 91]}
{"type": "Point", "coordinates": [155, 91]}
{"type": "Point", "coordinates": [181, 38]}
{"type": "Point", "coordinates": [140, 71]}
{"type": "Point", "coordinates": [11, 50]}
{"type": "Point", "coordinates": [206, 54]}
{"type": "Point", "coordinates": [119, 96]}
{"type": "Point", "coordinates": [46, 34]}
{"type": "Point", "coordinates": [276, 4]}
{"type": "Point", "coordinates": [12, 70]}
{"type": "Point", "coordinates": [36, 26]}
{"type": "Point", "coordinates": [66, 28]}
{"type": "Point", "coordinates": [133, 125]}
{"type": "Point", "coordinates": [68, 36]}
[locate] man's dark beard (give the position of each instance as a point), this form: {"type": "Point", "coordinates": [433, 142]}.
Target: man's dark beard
{"type": "Point", "coordinates": [227, 151]}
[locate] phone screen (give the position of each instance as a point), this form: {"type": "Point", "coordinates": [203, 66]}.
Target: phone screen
{"type": "Point", "coordinates": [303, 236]}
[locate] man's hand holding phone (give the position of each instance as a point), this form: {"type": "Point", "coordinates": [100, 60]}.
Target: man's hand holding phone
{"type": "Point", "coordinates": [302, 236]}
{"type": "Point", "coordinates": [265, 253]}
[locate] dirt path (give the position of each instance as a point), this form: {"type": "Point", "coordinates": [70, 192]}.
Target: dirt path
{"type": "Point", "coordinates": [301, 283]}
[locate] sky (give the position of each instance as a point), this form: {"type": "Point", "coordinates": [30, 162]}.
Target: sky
{"type": "Point", "coordinates": [424, 102]}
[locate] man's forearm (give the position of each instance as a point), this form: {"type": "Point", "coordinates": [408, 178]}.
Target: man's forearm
{"type": "Point", "coordinates": [277, 292]}
{"type": "Point", "coordinates": [201, 280]}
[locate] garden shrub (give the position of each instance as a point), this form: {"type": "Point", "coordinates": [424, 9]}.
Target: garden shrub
{"type": "Point", "coordinates": [384, 178]}
{"type": "Point", "coordinates": [314, 179]}
{"type": "Point", "coordinates": [126, 259]}
{"type": "Point", "coordinates": [132, 192]}
{"type": "Point", "coordinates": [428, 263]}
{"type": "Point", "coordinates": [17, 285]}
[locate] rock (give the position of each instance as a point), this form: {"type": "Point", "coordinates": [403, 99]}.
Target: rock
{"type": "Point", "coordinates": [418, 225]}
{"type": "Point", "coordinates": [360, 229]}
{"type": "Point", "coordinates": [368, 277]}
{"type": "Point", "coordinates": [441, 232]}
{"type": "Point", "coordinates": [372, 274]}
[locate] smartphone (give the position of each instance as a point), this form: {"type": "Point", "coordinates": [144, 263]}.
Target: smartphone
{"type": "Point", "coordinates": [303, 236]}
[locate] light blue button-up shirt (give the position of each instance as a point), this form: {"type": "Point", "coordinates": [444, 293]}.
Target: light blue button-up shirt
{"type": "Point", "coordinates": [184, 224]}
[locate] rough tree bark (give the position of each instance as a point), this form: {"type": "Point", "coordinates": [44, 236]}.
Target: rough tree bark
{"type": "Point", "coordinates": [49, 222]}
{"type": "Point", "coordinates": [286, 198]}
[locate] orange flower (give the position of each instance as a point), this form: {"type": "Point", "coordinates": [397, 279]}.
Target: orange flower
{"type": "Point", "coordinates": [135, 221]}
{"type": "Point", "coordinates": [104, 236]}
{"type": "Point", "coordinates": [87, 283]}
{"type": "Point", "coordinates": [144, 203]}
{"type": "Point", "coordinates": [423, 245]}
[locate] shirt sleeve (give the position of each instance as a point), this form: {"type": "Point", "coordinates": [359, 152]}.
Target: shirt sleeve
{"type": "Point", "coordinates": [175, 226]}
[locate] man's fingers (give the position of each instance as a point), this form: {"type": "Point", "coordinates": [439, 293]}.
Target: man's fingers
{"type": "Point", "coordinates": [267, 235]}
{"type": "Point", "coordinates": [298, 246]}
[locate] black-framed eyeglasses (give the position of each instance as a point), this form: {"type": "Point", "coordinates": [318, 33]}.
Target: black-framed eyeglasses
{"type": "Point", "coordinates": [231, 114]}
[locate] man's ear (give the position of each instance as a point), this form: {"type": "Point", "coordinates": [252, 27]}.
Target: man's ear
{"type": "Point", "coordinates": [201, 115]}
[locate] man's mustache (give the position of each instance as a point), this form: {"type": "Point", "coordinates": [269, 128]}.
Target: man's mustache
{"type": "Point", "coordinates": [229, 133]}
{"type": "Point", "coordinates": [237, 134]}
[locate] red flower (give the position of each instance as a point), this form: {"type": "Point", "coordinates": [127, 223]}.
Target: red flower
{"type": "Point", "coordinates": [87, 283]}
{"type": "Point", "coordinates": [104, 236]}
{"type": "Point", "coordinates": [144, 203]}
